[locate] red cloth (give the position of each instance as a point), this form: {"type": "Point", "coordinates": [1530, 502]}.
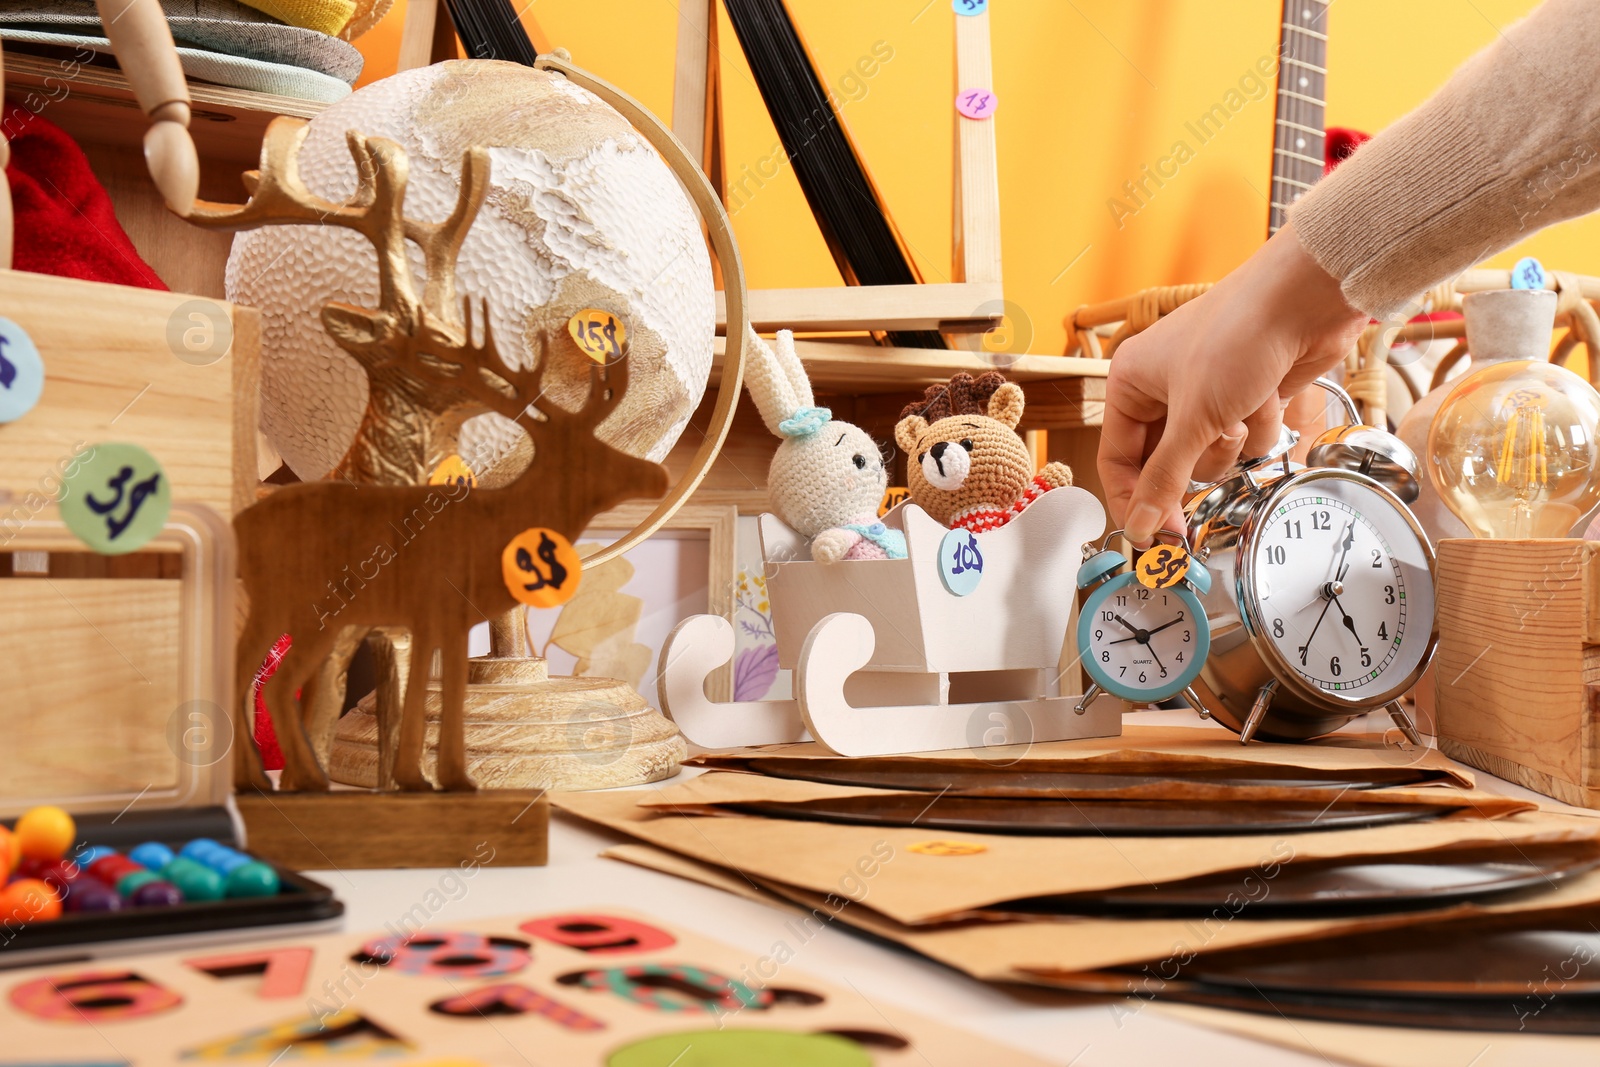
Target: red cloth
{"type": "Point", "coordinates": [266, 737]}
{"type": "Point", "coordinates": [64, 224]}
{"type": "Point", "coordinates": [1338, 144]}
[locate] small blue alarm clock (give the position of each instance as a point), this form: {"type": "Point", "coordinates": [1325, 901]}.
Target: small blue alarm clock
{"type": "Point", "coordinates": [1142, 633]}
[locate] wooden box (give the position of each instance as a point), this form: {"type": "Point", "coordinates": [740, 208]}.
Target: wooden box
{"type": "Point", "coordinates": [1518, 667]}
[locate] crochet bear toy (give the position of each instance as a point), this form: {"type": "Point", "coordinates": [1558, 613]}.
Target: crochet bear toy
{"type": "Point", "coordinates": [965, 464]}
{"type": "Point", "coordinates": [827, 477]}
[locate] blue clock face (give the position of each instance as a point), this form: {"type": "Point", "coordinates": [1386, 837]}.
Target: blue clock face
{"type": "Point", "coordinates": [1141, 644]}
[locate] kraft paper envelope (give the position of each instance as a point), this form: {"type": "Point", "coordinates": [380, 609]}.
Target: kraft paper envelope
{"type": "Point", "coordinates": [1150, 748]}
{"type": "Point", "coordinates": [1078, 949]}
{"type": "Point", "coordinates": [921, 888]}
{"type": "Point", "coordinates": [703, 793]}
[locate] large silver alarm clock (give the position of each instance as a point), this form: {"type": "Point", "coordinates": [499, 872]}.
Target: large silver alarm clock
{"type": "Point", "coordinates": [1322, 607]}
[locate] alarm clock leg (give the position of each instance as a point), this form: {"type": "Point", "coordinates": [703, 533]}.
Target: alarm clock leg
{"type": "Point", "coordinates": [1258, 711]}
{"type": "Point", "coordinates": [1088, 698]}
{"type": "Point", "coordinates": [1402, 720]}
{"type": "Point", "coordinates": [1194, 701]}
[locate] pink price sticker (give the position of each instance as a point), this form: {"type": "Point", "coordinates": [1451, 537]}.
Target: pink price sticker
{"type": "Point", "coordinates": [976, 103]}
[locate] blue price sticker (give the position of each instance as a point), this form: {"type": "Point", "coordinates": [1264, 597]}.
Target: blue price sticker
{"type": "Point", "coordinates": [21, 372]}
{"type": "Point", "coordinates": [970, 7]}
{"type": "Point", "coordinates": [117, 500]}
{"type": "Point", "coordinates": [1528, 274]}
{"type": "Point", "coordinates": [960, 562]}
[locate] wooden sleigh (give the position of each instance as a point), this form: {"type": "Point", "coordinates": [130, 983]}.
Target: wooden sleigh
{"type": "Point", "coordinates": [887, 660]}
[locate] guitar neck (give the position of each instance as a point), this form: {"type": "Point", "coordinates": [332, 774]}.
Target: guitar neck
{"type": "Point", "coordinates": [1298, 121]}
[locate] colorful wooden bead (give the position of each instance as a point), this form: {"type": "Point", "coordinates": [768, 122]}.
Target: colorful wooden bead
{"type": "Point", "coordinates": [152, 855]}
{"type": "Point", "coordinates": [46, 833]}
{"type": "Point", "coordinates": [252, 879]}
{"type": "Point", "coordinates": [195, 882]}
{"type": "Point", "coordinates": [156, 894]}
{"type": "Point", "coordinates": [9, 853]}
{"type": "Point", "coordinates": [29, 900]}
{"type": "Point", "coordinates": [89, 894]}
{"type": "Point", "coordinates": [130, 883]}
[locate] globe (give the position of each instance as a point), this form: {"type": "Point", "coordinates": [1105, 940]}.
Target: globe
{"type": "Point", "coordinates": [581, 213]}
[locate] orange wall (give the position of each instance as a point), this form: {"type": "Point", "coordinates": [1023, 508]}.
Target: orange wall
{"type": "Point", "coordinates": [1089, 92]}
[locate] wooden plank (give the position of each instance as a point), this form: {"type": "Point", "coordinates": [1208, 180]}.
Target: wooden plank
{"type": "Point", "coordinates": [953, 307]}
{"type": "Point", "coordinates": [351, 830]}
{"type": "Point", "coordinates": [92, 670]}
{"type": "Point", "coordinates": [416, 37]}
{"type": "Point", "coordinates": [1514, 674]}
{"type": "Point", "coordinates": [977, 176]}
{"type": "Point", "coordinates": [96, 106]}
{"type": "Point", "coordinates": [112, 374]}
{"type": "Point", "coordinates": [692, 78]}
{"type": "Point", "coordinates": [854, 367]}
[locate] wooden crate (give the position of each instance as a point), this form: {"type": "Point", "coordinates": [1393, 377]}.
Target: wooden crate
{"type": "Point", "coordinates": [1518, 667]}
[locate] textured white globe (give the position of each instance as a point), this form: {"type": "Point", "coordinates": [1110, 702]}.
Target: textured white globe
{"type": "Point", "coordinates": [581, 213]}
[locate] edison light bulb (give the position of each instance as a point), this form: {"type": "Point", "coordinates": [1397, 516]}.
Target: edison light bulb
{"type": "Point", "coordinates": [1512, 450]}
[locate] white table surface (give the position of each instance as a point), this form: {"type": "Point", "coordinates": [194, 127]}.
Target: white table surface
{"type": "Point", "coordinates": [1056, 1027]}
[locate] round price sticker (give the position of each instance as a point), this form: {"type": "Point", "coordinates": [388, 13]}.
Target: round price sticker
{"type": "Point", "coordinates": [21, 372]}
{"type": "Point", "coordinates": [117, 499]}
{"type": "Point", "coordinates": [1528, 274]}
{"type": "Point", "coordinates": [541, 568]}
{"type": "Point", "coordinates": [970, 7]}
{"type": "Point", "coordinates": [960, 562]}
{"type": "Point", "coordinates": [1162, 566]}
{"type": "Point", "coordinates": [453, 470]}
{"type": "Point", "coordinates": [976, 103]}
{"type": "Point", "coordinates": [600, 334]}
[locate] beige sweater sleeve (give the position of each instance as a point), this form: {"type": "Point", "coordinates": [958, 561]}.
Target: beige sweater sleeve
{"type": "Point", "coordinates": [1510, 145]}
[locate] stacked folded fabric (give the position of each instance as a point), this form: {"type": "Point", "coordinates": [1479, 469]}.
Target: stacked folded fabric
{"type": "Point", "coordinates": [296, 48]}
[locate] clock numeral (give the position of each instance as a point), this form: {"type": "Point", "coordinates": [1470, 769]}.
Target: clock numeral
{"type": "Point", "coordinates": [1292, 529]}
{"type": "Point", "coordinates": [1108, 616]}
{"type": "Point", "coordinates": [1303, 654]}
{"type": "Point", "coordinates": [1277, 554]}
{"type": "Point", "coordinates": [1388, 594]}
{"type": "Point", "coordinates": [1186, 637]}
{"type": "Point", "coordinates": [1333, 666]}
{"type": "Point", "coordinates": [1377, 559]}
{"type": "Point", "coordinates": [1383, 631]}
{"type": "Point", "coordinates": [1277, 627]}
{"type": "Point", "coordinates": [1366, 658]}
{"type": "Point", "coordinates": [1180, 657]}
{"type": "Point", "coordinates": [1099, 635]}
{"type": "Point", "coordinates": [1105, 657]}
{"type": "Point", "coordinates": [1122, 600]}
{"type": "Point", "coordinates": [1321, 520]}
{"type": "Point", "coordinates": [1142, 676]}
{"type": "Point", "coordinates": [1163, 672]}
{"type": "Point", "coordinates": [1124, 672]}
{"type": "Point", "coordinates": [1142, 593]}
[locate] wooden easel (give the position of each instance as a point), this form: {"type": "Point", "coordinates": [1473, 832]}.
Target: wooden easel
{"type": "Point", "coordinates": [975, 267]}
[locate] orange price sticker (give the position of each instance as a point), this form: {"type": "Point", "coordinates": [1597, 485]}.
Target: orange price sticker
{"type": "Point", "coordinates": [1162, 566]}
{"type": "Point", "coordinates": [541, 568]}
{"type": "Point", "coordinates": [948, 848]}
{"type": "Point", "coordinates": [453, 470]}
{"type": "Point", "coordinates": [893, 496]}
{"type": "Point", "coordinates": [600, 334]}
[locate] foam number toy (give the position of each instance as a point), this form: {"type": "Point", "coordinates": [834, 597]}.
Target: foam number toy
{"type": "Point", "coordinates": [452, 954]}
{"type": "Point", "coordinates": [117, 499]}
{"type": "Point", "coordinates": [93, 997]}
{"type": "Point", "coordinates": [599, 934]}
{"type": "Point", "coordinates": [1142, 633]}
{"type": "Point", "coordinates": [21, 372]}
{"type": "Point", "coordinates": [673, 988]}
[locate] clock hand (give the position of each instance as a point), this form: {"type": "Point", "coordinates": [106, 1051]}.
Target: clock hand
{"type": "Point", "coordinates": [1126, 625]}
{"type": "Point", "coordinates": [1326, 604]}
{"type": "Point", "coordinates": [1143, 635]}
{"type": "Point", "coordinates": [1349, 623]}
{"type": "Point", "coordinates": [1164, 625]}
{"type": "Point", "coordinates": [1344, 557]}
{"type": "Point", "coordinates": [1152, 650]}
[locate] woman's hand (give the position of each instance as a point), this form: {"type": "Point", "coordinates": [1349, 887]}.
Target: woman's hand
{"type": "Point", "coordinates": [1207, 383]}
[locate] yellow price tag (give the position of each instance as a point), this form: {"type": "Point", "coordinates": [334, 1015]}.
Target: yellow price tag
{"type": "Point", "coordinates": [1162, 566]}
{"type": "Point", "coordinates": [541, 568]}
{"type": "Point", "coordinates": [600, 334]}
{"type": "Point", "coordinates": [453, 470]}
{"type": "Point", "coordinates": [947, 848]}
{"type": "Point", "coordinates": [893, 496]}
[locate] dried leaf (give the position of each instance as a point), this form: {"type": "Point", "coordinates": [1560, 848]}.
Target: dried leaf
{"type": "Point", "coordinates": [617, 657]}
{"type": "Point", "coordinates": [599, 612]}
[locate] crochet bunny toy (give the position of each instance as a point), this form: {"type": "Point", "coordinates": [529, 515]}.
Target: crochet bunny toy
{"type": "Point", "coordinates": [827, 478]}
{"type": "Point", "coordinates": [965, 464]}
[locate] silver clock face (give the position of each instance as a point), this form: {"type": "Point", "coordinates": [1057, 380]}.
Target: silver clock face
{"type": "Point", "coordinates": [1342, 588]}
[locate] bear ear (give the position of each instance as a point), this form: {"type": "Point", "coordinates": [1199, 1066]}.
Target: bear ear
{"type": "Point", "coordinates": [907, 431]}
{"type": "Point", "coordinates": [1006, 404]}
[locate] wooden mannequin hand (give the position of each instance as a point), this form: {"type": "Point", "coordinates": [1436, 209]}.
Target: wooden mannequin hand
{"type": "Point", "coordinates": [139, 34]}
{"type": "Point", "coordinates": [1207, 383]}
{"type": "Point", "coordinates": [174, 166]}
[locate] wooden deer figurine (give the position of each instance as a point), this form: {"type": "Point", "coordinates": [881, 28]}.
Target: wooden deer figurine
{"type": "Point", "coordinates": [324, 560]}
{"type": "Point", "coordinates": [319, 556]}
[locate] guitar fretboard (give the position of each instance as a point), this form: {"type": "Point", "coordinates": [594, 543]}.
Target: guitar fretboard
{"type": "Point", "coordinates": [1297, 138]}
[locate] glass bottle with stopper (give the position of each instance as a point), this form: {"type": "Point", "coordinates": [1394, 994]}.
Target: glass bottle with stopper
{"type": "Point", "coordinates": [1513, 453]}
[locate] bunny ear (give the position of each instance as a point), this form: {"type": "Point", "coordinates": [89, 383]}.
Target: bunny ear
{"type": "Point", "coordinates": [799, 384]}
{"type": "Point", "coordinates": [769, 386]}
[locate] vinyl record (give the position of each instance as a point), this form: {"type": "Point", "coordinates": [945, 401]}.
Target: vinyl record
{"type": "Point", "coordinates": [1293, 890]}
{"type": "Point", "coordinates": [1536, 975]}
{"type": "Point", "coordinates": [934, 777]}
{"type": "Point", "coordinates": [1110, 818]}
